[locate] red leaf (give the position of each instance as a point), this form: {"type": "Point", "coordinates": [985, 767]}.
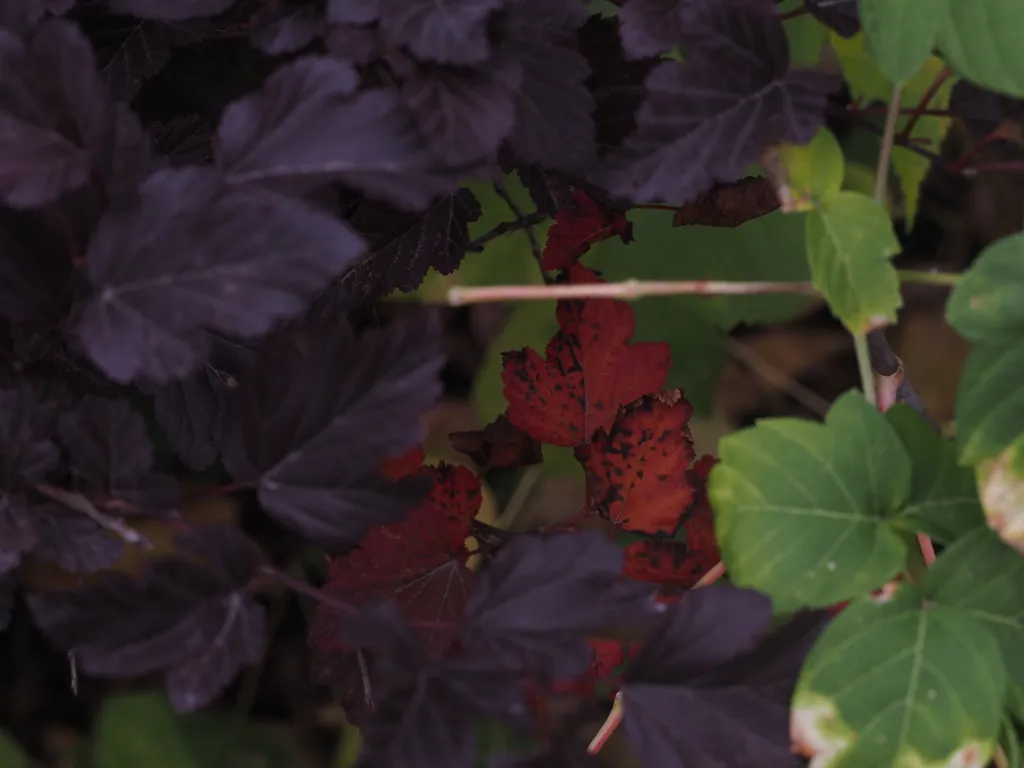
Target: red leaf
{"type": "Point", "coordinates": [579, 226]}
{"type": "Point", "coordinates": [638, 473]}
{"type": "Point", "coordinates": [589, 372]}
{"type": "Point", "coordinates": [500, 444]}
{"type": "Point", "coordinates": [608, 657]}
{"type": "Point", "coordinates": [403, 466]}
{"type": "Point", "coordinates": [421, 561]}
{"type": "Point", "coordinates": [674, 564]}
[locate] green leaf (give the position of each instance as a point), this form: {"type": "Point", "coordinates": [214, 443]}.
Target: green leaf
{"type": "Point", "coordinates": [814, 170]}
{"type": "Point", "coordinates": [11, 753]}
{"type": "Point", "coordinates": [850, 243]}
{"type": "Point", "coordinates": [901, 33]}
{"type": "Point", "coordinates": [140, 729]}
{"type": "Point", "coordinates": [990, 401]}
{"type": "Point", "coordinates": [807, 35]}
{"type": "Point", "coordinates": [981, 41]}
{"type": "Point", "coordinates": [943, 502]}
{"type": "Point", "coordinates": [982, 577]}
{"type": "Point", "coordinates": [900, 683]}
{"type": "Point", "coordinates": [1001, 486]}
{"type": "Point", "coordinates": [803, 510]}
{"type": "Point", "coordinates": [986, 305]}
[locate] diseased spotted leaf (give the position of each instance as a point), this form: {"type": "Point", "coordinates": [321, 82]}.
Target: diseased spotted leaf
{"type": "Point", "coordinates": [729, 205]}
{"type": "Point", "coordinates": [554, 126]}
{"type": "Point", "coordinates": [638, 469]}
{"type": "Point", "coordinates": [402, 248]}
{"type": "Point", "coordinates": [313, 441]}
{"type": "Point", "coordinates": [306, 128]}
{"type": "Point", "coordinates": [445, 31]}
{"type": "Point", "coordinates": [535, 602]}
{"type": "Point", "coordinates": [711, 686]}
{"type": "Point", "coordinates": [708, 117]}
{"type": "Point", "coordinates": [55, 114]}
{"type": "Point", "coordinates": [143, 52]}
{"type": "Point", "coordinates": [577, 227]}
{"type": "Point", "coordinates": [498, 445]}
{"type": "Point", "coordinates": [616, 82]}
{"type": "Point", "coordinates": [112, 457]}
{"type": "Point", "coordinates": [191, 410]}
{"type": "Point", "coordinates": [189, 619]}
{"type": "Point", "coordinates": [186, 253]}
{"type": "Point", "coordinates": [170, 10]}
{"type": "Point", "coordinates": [464, 114]}
{"type": "Point", "coordinates": [280, 29]}
{"type": "Point", "coordinates": [419, 561]}
{"type": "Point", "coordinates": [589, 371]}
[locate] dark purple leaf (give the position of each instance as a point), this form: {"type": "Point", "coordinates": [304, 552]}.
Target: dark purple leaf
{"type": "Point", "coordinates": [191, 411]}
{"type": "Point", "coordinates": [445, 31]}
{"type": "Point", "coordinates": [112, 457]}
{"type": "Point", "coordinates": [652, 27]}
{"type": "Point", "coordinates": [840, 15]}
{"type": "Point", "coordinates": [355, 45]}
{"type": "Point", "coordinates": [708, 117]}
{"type": "Point", "coordinates": [306, 128]}
{"type": "Point", "coordinates": [186, 253]}
{"type": "Point", "coordinates": [464, 114]}
{"type": "Point", "coordinates": [616, 82]}
{"type": "Point", "coordinates": [188, 619]}
{"type": "Point", "coordinates": [280, 29]}
{"type": "Point", "coordinates": [320, 412]}
{"type": "Point", "coordinates": [554, 122]}
{"type": "Point", "coordinates": [184, 140]}
{"type": "Point", "coordinates": [170, 10]}
{"type": "Point", "coordinates": [26, 453]}
{"type": "Point", "coordinates": [711, 686]}
{"type": "Point", "coordinates": [144, 51]}
{"type": "Point", "coordinates": [17, 530]}
{"type": "Point", "coordinates": [403, 246]}
{"type": "Point", "coordinates": [352, 11]}
{"type": "Point", "coordinates": [535, 603]}
{"type": "Point", "coordinates": [73, 541]}
{"type": "Point", "coordinates": [550, 191]}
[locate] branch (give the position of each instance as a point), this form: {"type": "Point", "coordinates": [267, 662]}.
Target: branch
{"type": "Point", "coordinates": [79, 503]}
{"type": "Point", "coordinates": [527, 221]}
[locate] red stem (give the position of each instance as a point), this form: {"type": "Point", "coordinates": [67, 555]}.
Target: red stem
{"type": "Point", "coordinates": [922, 105]}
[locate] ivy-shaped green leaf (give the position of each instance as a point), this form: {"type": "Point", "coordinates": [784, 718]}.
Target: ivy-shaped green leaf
{"type": "Point", "coordinates": [981, 40]}
{"type": "Point", "coordinates": [814, 171]}
{"type": "Point", "coordinates": [987, 305]}
{"type": "Point", "coordinates": [803, 511]}
{"type": "Point", "coordinates": [990, 401]}
{"type": "Point", "coordinates": [900, 683]}
{"type": "Point", "coordinates": [943, 501]}
{"type": "Point", "coordinates": [901, 33]}
{"type": "Point", "coordinates": [850, 244]}
{"type": "Point", "coordinates": [982, 577]}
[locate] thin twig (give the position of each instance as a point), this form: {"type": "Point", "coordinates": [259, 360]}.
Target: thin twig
{"type": "Point", "coordinates": [79, 503]}
{"type": "Point", "coordinates": [503, 193]}
{"type": "Point", "coordinates": [806, 397]}
{"type": "Point", "coordinates": [922, 105]}
{"type": "Point", "coordinates": [717, 571]}
{"type": "Point", "coordinates": [526, 222]}
{"type": "Point", "coordinates": [888, 140]}
{"type": "Point", "coordinates": [628, 289]}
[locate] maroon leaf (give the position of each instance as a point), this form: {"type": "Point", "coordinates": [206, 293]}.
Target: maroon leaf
{"type": "Point", "coordinates": [188, 253]}
{"type": "Point", "coordinates": [312, 442]}
{"type": "Point", "coordinates": [708, 117]}
{"type": "Point", "coordinates": [187, 619]}
{"type": "Point", "coordinates": [498, 445]}
{"type": "Point", "coordinates": [577, 227]}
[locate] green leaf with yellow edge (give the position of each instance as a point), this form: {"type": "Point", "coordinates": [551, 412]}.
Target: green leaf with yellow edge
{"type": "Point", "coordinates": [11, 753]}
{"type": "Point", "coordinates": [901, 33]}
{"type": "Point", "coordinates": [990, 401]}
{"type": "Point", "coordinates": [987, 304]}
{"type": "Point", "coordinates": [943, 502]}
{"type": "Point", "coordinates": [850, 244]}
{"type": "Point", "coordinates": [900, 682]}
{"type": "Point", "coordinates": [984, 578]}
{"type": "Point", "coordinates": [869, 83]}
{"type": "Point", "coordinates": [981, 40]}
{"type": "Point", "coordinates": [804, 512]}
{"type": "Point", "coordinates": [814, 171]}
{"type": "Point", "coordinates": [1001, 485]}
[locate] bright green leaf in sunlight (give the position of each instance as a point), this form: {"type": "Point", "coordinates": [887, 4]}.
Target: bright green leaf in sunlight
{"type": "Point", "coordinates": [981, 41]}
{"type": "Point", "coordinates": [850, 244]}
{"type": "Point", "coordinates": [814, 170]}
{"type": "Point", "coordinates": [868, 83]}
{"type": "Point", "coordinates": [901, 33]}
{"type": "Point", "coordinates": [140, 729]}
{"type": "Point", "coordinates": [11, 754]}
{"type": "Point", "coordinates": [984, 578]}
{"type": "Point", "coordinates": [804, 511]}
{"type": "Point", "coordinates": [943, 502]}
{"type": "Point", "coordinates": [990, 401]}
{"type": "Point", "coordinates": [987, 304]}
{"type": "Point", "coordinates": [900, 682]}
